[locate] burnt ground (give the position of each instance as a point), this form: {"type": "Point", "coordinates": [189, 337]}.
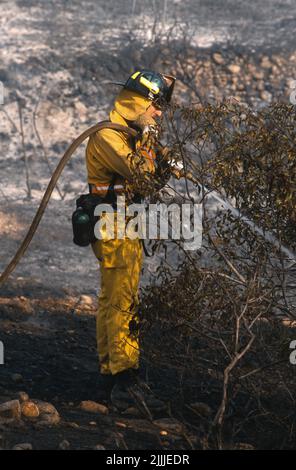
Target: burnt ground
{"type": "Point", "coordinates": [50, 354]}
{"type": "Point", "coordinates": [50, 342]}
{"type": "Point", "coordinates": [55, 56]}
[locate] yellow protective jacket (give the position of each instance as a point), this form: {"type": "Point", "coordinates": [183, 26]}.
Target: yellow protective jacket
{"type": "Point", "coordinates": [107, 150]}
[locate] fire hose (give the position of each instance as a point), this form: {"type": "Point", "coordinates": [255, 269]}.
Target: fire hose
{"type": "Point", "coordinates": [64, 160]}
{"type": "Point", "coordinates": [51, 185]}
{"type": "Point", "coordinates": [266, 234]}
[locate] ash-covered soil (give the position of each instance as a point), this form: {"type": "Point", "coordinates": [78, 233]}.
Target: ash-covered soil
{"type": "Point", "coordinates": [50, 354]}
{"type": "Point", "coordinates": [56, 58]}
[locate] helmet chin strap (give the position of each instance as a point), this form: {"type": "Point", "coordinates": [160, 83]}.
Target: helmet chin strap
{"type": "Point", "coordinates": [143, 121]}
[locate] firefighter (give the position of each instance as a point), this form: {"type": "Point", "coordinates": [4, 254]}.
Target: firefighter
{"type": "Point", "coordinates": [110, 167]}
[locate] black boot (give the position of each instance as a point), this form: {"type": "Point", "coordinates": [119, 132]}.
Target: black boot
{"type": "Point", "coordinates": [130, 390]}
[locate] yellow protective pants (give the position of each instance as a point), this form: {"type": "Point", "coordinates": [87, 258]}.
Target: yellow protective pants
{"type": "Point", "coordinates": [120, 267]}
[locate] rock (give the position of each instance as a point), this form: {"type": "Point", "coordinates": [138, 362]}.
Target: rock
{"type": "Point", "coordinates": [48, 414]}
{"type": "Point", "coordinates": [201, 408]}
{"type": "Point", "coordinates": [234, 68]}
{"type": "Point", "coordinates": [99, 447]}
{"type": "Point", "coordinates": [240, 86]}
{"type": "Point", "coordinates": [266, 96]}
{"type": "Point", "coordinates": [236, 98]}
{"type": "Point", "coordinates": [169, 424]}
{"type": "Point", "coordinates": [243, 446]}
{"type": "Point", "coordinates": [45, 407]}
{"type": "Point", "coordinates": [289, 323]}
{"type": "Point", "coordinates": [258, 74]}
{"type": "Point", "coordinates": [218, 58]}
{"type": "Point", "coordinates": [23, 396]}
{"type": "Point", "coordinates": [261, 85]}
{"type": "Point", "coordinates": [30, 410]}
{"type": "Point", "coordinates": [49, 419]}
{"type": "Point", "coordinates": [120, 424]}
{"type": "Point", "coordinates": [72, 425]}
{"type": "Point", "coordinates": [93, 407]}
{"type": "Point", "coordinates": [80, 108]}
{"type": "Point", "coordinates": [132, 411]}
{"type": "Point", "coordinates": [64, 445]}
{"type": "Point", "coordinates": [86, 299]}
{"type": "Point", "coordinates": [23, 446]}
{"type": "Point", "coordinates": [265, 62]}
{"type": "Point", "coordinates": [10, 410]}
{"type": "Point", "coordinates": [17, 378]}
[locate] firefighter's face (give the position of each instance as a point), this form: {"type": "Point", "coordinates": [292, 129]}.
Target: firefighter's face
{"type": "Point", "coordinates": [149, 117]}
{"type": "Point", "coordinates": [153, 112]}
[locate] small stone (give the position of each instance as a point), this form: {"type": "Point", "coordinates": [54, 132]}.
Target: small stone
{"type": "Point", "coordinates": [92, 423]}
{"type": "Point", "coordinates": [218, 58]}
{"type": "Point", "coordinates": [265, 63]}
{"type": "Point", "coordinates": [23, 396]}
{"type": "Point", "coordinates": [240, 87]}
{"type": "Point", "coordinates": [258, 74]}
{"type": "Point", "coordinates": [169, 424]}
{"type": "Point", "coordinates": [10, 410]}
{"type": "Point", "coordinates": [266, 96]}
{"type": "Point", "coordinates": [202, 408]}
{"type": "Point", "coordinates": [261, 85]}
{"type": "Point", "coordinates": [80, 108]}
{"type": "Point", "coordinates": [93, 407]}
{"type": "Point", "coordinates": [99, 447]}
{"type": "Point", "coordinates": [86, 299]}
{"type": "Point", "coordinates": [30, 410]}
{"type": "Point", "coordinates": [17, 378]}
{"type": "Point", "coordinates": [234, 68]}
{"type": "Point", "coordinates": [48, 414]}
{"type": "Point", "coordinates": [243, 446]}
{"type": "Point", "coordinates": [23, 446]}
{"type": "Point", "coordinates": [235, 99]}
{"type": "Point", "coordinates": [289, 323]}
{"type": "Point", "coordinates": [64, 445]}
{"type": "Point", "coordinates": [45, 407]}
{"type": "Point", "coordinates": [72, 425]}
{"type": "Point", "coordinates": [49, 420]}
{"type": "Point", "coordinates": [132, 411]}
{"type": "Point", "coordinates": [120, 424]}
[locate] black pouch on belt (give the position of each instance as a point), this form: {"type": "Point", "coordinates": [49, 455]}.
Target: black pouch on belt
{"type": "Point", "coordinates": [84, 220]}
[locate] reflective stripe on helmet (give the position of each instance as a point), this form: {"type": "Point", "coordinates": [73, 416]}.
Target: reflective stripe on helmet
{"type": "Point", "coordinates": [135, 75]}
{"type": "Point", "coordinates": [150, 85]}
